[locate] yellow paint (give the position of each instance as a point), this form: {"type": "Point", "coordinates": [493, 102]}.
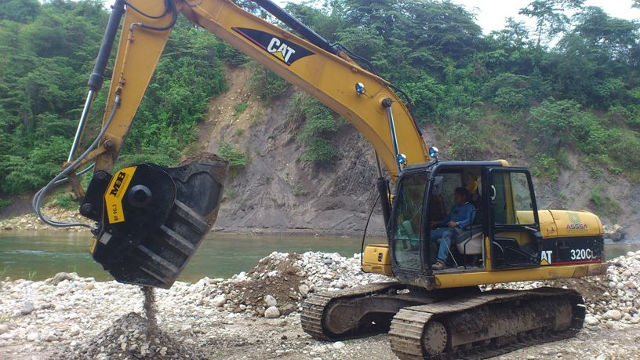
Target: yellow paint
{"type": "Point", "coordinates": [115, 192]}
{"type": "Point", "coordinates": [576, 223]}
{"type": "Point", "coordinates": [92, 248]}
{"type": "Point", "coordinates": [377, 259]}
{"type": "Point", "coordinates": [453, 280]}
{"type": "Point", "coordinates": [138, 54]}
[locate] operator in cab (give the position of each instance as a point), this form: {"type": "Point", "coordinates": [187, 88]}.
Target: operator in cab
{"type": "Point", "coordinates": [444, 232]}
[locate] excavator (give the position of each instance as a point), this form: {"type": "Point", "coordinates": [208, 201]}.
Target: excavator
{"type": "Point", "coordinates": [148, 220]}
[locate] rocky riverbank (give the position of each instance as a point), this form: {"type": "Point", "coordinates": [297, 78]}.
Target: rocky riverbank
{"type": "Point", "coordinates": [255, 315]}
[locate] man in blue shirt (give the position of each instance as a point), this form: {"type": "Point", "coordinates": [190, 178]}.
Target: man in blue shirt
{"type": "Point", "coordinates": [443, 231]}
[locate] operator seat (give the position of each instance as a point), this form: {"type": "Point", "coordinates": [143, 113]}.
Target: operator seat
{"type": "Point", "coordinates": [469, 241]}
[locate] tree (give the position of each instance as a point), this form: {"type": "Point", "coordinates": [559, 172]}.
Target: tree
{"type": "Point", "coordinates": [21, 11]}
{"type": "Point", "coordinates": [550, 15]}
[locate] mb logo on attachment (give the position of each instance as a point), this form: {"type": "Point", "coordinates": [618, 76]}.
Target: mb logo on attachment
{"type": "Point", "coordinates": [282, 50]}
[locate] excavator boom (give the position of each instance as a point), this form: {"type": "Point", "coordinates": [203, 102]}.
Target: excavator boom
{"type": "Point", "coordinates": [151, 219]}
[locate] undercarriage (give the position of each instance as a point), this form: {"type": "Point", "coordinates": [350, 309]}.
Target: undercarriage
{"type": "Point", "coordinates": [443, 324]}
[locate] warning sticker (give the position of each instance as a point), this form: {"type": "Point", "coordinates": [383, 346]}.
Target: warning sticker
{"type": "Point", "coordinates": [115, 192]}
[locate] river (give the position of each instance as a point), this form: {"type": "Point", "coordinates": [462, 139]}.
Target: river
{"type": "Point", "coordinates": [38, 256]}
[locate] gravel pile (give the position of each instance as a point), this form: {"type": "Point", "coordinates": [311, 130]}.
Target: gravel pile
{"type": "Point", "coordinates": [280, 282]}
{"type": "Point", "coordinates": [610, 298]}
{"type": "Point", "coordinates": [130, 337]}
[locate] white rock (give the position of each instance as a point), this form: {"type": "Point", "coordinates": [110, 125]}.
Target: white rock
{"type": "Point", "coordinates": [27, 308]}
{"type": "Point", "coordinates": [590, 320]}
{"type": "Point", "coordinates": [613, 315]}
{"type": "Point", "coordinates": [4, 328]}
{"type": "Point", "coordinates": [219, 300]}
{"type": "Point", "coordinates": [338, 345]}
{"type": "Point", "coordinates": [33, 336]}
{"type": "Point", "coordinates": [304, 289]}
{"type": "Point", "coordinates": [272, 312]}
{"type": "Point", "coordinates": [270, 301]}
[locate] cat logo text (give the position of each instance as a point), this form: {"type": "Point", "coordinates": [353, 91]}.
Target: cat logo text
{"type": "Point", "coordinates": [286, 52]}
{"type": "Point", "coordinates": [280, 50]}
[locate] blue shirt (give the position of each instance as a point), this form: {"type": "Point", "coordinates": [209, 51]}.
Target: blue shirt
{"type": "Point", "coordinates": [462, 214]}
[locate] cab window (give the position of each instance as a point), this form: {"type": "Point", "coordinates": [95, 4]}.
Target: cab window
{"type": "Point", "coordinates": [514, 227]}
{"type": "Point", "coordinates": [511, 199]}
{"type": "Point", "coordinates": [407, 219]}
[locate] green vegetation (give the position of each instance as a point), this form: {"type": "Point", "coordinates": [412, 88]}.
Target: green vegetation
{"type": "Point", "coordinates": [236, 157]}
{"type": "Point", "coordinates": [317, 123]}
{"type": "Point", "coordinates": [239, 109]}
{"type": "Point", "coordinates": [47, 51]}
{"type": "Point", "coordinates": [265, 84]}
{"type": "Point", "coordinates": [602, 203]}
{"type": "Point", "coordinates": [571, 85]}
{"type": "Point", "coordinates": [66, 201]}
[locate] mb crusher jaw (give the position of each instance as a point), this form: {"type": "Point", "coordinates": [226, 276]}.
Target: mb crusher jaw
{"type": "Point", "coordinates": [151, 219]}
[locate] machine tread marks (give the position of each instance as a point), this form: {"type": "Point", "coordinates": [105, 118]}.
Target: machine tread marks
{"type": "Point", "coordinates": [409, 325]}
{"type": "Point", "coordinates": [312, 316]}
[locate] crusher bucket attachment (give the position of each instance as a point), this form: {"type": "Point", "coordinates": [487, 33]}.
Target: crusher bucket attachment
{"type": "Point", "coordinates": [152, 219]}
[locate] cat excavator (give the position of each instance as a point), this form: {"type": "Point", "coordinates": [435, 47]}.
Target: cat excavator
{"type": "Point", "coordinates": [148, 220]}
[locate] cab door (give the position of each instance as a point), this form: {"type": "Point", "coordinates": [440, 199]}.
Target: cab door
{"type": "Point", "coordinates": [514, 227]}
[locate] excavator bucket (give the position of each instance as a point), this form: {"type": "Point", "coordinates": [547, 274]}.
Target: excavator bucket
{"type": "Point", "coordinates": [152, 219]}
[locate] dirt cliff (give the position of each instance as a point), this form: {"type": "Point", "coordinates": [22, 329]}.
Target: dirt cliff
{"type": "Point", "coordinates": [278, 191]}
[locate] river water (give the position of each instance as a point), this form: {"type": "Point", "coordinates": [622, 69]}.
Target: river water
{"type": "Point", "coordinates": [38, 256]}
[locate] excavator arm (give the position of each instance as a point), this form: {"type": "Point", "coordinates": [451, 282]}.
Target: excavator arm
{"type": "Point", "coordinates": [151, 219]}
{"type": "Point", "coordinates": [360, 97]}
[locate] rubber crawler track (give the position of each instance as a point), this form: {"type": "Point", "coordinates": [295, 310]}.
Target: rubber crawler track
{"type": "Point", "coordinates": [407, 327]}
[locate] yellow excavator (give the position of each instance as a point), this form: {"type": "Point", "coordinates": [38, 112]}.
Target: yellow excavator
{"type": "Point", "coordinates": [148, 220]}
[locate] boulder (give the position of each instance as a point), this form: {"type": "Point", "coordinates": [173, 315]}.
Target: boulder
{"type": "Point", "coordinates": [219, 300]}
{"type": "Point", "coordinates": [614, 232]}
{"type": "Point", "coordinates": [270, 301]}
{"type": "Point", "coordinates": [272, 312]}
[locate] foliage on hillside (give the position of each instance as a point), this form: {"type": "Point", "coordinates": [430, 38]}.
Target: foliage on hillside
{"type": "Point", "coordinates": [46, 53]}
{"type": "Point", "coordinates": [582, 93]}
{"type": "Point", "coordinates": [570, 84]}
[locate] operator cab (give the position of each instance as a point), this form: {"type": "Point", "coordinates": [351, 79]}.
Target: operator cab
{"type": "Point", "coordinates": [503, 232]}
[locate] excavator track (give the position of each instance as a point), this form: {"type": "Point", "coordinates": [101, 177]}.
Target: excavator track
{"type": "Point", "coordinates": [478, 327]}
{"type": "Point", "coordinates": [367, 309]}
{"type": "Point", "coordinates": [314, 308]}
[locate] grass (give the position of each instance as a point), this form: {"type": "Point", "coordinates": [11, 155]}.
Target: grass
{"type": "Point", "coordinates": [31, 275]}
{"type": "Point", "coordinates": [239, 109]}
{"type": "Point", "coordinates": [231, 194]}
{"type": "Point", "coordinates": [602, 203]}
{"type": "Point", "coordinates": [235, 156]}
{"type": "Point", "coordinates": [65, 201]}
{"type": "Point", "coordinates": [299, 190]}
{"type": "Point", "coordinates": [5, 202]}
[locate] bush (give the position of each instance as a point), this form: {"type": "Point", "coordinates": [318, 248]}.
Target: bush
{"type": "Point", "coordinates": [545, 167]}
{"type": "Point", "coordinates": [510, 92]}
{"type": "Point", "coordinates": [235, 156]}
{"type": "Point", "coordinates": [602, 203]}
{"type": "Point", "coordinates": [239, 109]}
{"type": "Point", "coordinates": [318, 122]}
{"type": "Point", "coordinates": [66, 201]}
{"type": "Point", "coordinates": [465, 144]}
{"type": "Point", "coordinates": [318, 149]}
{"type": "Point", "coordinates": [265, 83]}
